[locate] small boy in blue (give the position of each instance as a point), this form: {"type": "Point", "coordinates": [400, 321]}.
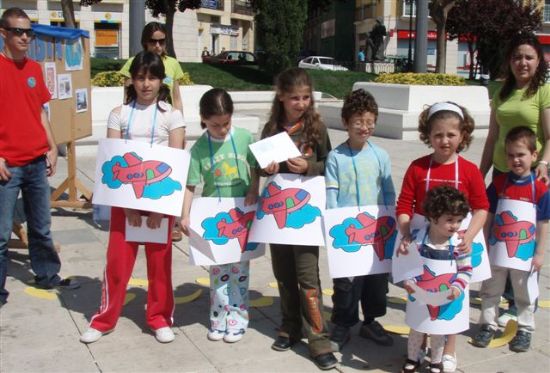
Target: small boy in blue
{"type": "Point", "coordinates": [358, 173]}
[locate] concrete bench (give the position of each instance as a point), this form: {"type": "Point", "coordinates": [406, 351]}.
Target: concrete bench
{"type": "Point", "coordinates": [400, 105]}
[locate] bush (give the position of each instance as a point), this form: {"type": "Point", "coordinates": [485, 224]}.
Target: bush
{"type": "Point", "coordinates": [116, 79]}
{"type": "Point", "coordinates": [420, 79]}
{"type": "Point", "coordinates": [108, 79]}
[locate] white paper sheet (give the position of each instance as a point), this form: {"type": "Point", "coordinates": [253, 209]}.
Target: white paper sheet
{"type": "Point", "coordinates": [406, 266]}
{"type": "Point", "coordinates": [146, 234]}
{"type": "Point", "coordinates": [533, 286]}
{"type": "Point", "coordinates": [277, 148]}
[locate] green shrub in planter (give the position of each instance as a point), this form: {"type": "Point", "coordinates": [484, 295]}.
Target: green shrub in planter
{"type": "Point", "coordinates": [108, 79]}
{"type": "Point", "coordinates": [115, 79]}
{"type": "Point", "coordinates": [420, 79]}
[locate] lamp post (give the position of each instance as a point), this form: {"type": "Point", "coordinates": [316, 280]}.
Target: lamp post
{"type": "Point", "coordinates": [421, 37]}
{"type": "Point", "coordinates": [409, 57]}
{"type": "Point", "coordinates": [137, 22]}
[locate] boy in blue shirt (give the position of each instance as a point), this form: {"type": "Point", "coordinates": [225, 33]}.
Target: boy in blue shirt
{"type": "Point", "coordinates": [359, 173]}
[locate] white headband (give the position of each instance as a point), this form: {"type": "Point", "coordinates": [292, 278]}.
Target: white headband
{"type": "Point", "coordinates": [447, 106]}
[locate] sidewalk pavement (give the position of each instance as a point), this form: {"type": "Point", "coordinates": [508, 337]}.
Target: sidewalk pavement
{"type": "Point", "coordinates": [39, 330]}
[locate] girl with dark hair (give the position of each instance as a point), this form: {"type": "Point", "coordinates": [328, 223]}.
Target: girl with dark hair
{"type": "Point", "coordinates": [523, 100]}
{"type": "Point", "coordinates": [222, 161]}
{"type": "Point", "coordinates": [153, 39]}
{"type": "Point", "coordinates": [145, 116]}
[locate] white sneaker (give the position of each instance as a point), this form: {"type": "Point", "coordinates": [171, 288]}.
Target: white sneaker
{"type": "Point", "coordinates": [232, 337]}
{"type": "Point", "coordinates": [164, 335]}
{"type": "Point", "coordinates": [215, 335]}
{"type": "Point", "coordinates": [449, 363]}
{"type": "Point", "coordinates": [91, 335]}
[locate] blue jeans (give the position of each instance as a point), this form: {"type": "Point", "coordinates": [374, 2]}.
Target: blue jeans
{"type": "Point", "coordinates": [32, 181]}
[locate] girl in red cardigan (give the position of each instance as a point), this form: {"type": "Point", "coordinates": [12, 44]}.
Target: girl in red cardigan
{"type": "Point", "coordinates": [446, 128]}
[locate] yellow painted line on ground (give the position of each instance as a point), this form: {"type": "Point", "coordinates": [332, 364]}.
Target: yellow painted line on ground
{"type": "Point", "coordinates": [261, 302]}
{"type": "Point", "coordinates": [505, 338]}
{"type": "Point", "coordinates": [204, 281]}
{"type": "Point", "coordinates": [397, 329]}
{"type": "Point", "coordinates": [273, 285]}
{"type": "Point", "coordinates": [397, 300]}
{"type": "Point", "coordinates": [40, 293]}
{"type": "Point", "coordinates": [477, 301]}
{"type": "Point", "coordinates": [544, 303]}
{"type": "Point", "coordinates": [138, 282]}
{"type": "Point", "coordinates": [188, 298]}
{"type": "Point", "coordinates": [129, 297]}
{"type": "Point", "coordinates": [328, 292]}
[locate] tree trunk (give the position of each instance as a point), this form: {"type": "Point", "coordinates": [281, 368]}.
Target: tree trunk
{"type": "Point", "coordinates": [169, 29]}
{"type": "Point", "coordinates": [471, 52]}
{"type": "Point", "coordinates": [68, 13]}
{"type": "Point", "coordinates": [441, 47]}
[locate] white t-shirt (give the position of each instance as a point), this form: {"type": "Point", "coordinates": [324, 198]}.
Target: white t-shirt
{"type": "Point", "coordinates": [141, 121]}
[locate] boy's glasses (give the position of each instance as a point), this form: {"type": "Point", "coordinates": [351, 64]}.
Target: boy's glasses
{"type": "Point", "coordinates": [159, 41]}
{"type": "Point", "coordinates": [18, 31]}
{"type": "Point", "coordinates": [369, 126]}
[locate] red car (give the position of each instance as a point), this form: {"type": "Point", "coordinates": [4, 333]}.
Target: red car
{"type": "Point", "coordinates": [232, 58]}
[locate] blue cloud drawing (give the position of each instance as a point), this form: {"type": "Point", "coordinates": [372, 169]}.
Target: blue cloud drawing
{"type": "Point", "coordinates": [107, 170]}
{"type": "Point", "coordinates": [161, 188]}
{"type": "Point", "coordinates": [477, 251]}
{"type": "Point", "coordinates": [211, 231]}
{"type": "Point", "coordinates": [338, 232]}
{"type": "Point", "coordinates": [450, 310]}
{"type": "Point", "coordinates": [303, 216]}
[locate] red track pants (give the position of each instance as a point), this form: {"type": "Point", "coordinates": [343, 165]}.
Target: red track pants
{"type": "Point", "coordinates": [121, 256]}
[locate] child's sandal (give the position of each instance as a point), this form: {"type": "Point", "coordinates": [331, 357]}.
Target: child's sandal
{"type": "Point", "coordinates": [410, 366]}
{"type": "Point", "coordinates": [436, 368]}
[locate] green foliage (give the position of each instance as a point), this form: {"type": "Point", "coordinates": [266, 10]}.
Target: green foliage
{"type": "Point", "coordinates": [420, 79]}
{"type": "Point", "coordinates": [105, 64]}
{"type": "Point", "coordinates": [280, 27]}
{"type": "Point", "coordinates": [108, 79]}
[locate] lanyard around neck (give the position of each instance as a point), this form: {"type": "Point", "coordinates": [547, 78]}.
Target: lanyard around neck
{"type": "Point", "coordinates": [211, 151]}
{"type": "Point", "coordinates": [430, 172]}
{"type": "Point", "coordinates": [131, 117]}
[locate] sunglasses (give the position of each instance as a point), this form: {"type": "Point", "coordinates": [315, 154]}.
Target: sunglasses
{"type": "Point", "coordinates": [159, 41]}
{"type": "Point", "coordinates": [20, 31]}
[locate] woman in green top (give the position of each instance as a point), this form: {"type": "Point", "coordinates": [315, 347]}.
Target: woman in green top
{"type": "Point", "coordinates": [153, 39]}
{"type": "Point", "coordinates": [523, 100]}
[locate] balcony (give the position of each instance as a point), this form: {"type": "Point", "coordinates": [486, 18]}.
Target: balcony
{"type": "Point", "coordinates": [242, 7]}
{"type": "Point", "coordinates": [212, 4]}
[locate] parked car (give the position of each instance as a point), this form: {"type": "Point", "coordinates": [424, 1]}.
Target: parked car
{"type": "Point", "coordinates": [320, 63]}
{"type": "Point", "coordinates": [232, 58]}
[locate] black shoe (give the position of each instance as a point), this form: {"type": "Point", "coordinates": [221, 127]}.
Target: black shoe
{"type": "Point", "coordinates": [521, 342]}
{"type": "Point", "coordinates": [66, 283]}
{"type": "Point", "coordinates": [283, 343]}
{"type": "Point", "coordinates": [325, 361]}
{"type": "Point", "coordinates": [339, 337]}
{"type": "Point", "coordinates": [484, 336]}
{"type": "Point", "coordinates": [376, 332]}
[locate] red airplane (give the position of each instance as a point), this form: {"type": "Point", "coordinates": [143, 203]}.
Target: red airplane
{"type": "Point", "coordinates": [512, 232]}
{"type": "Point", "coordinates": [429, 282]}
{"type": "Point", "coordinates": [373, 232]}
{"type": "Point", "coordinates": [140, 173]}
{"type": "Point", "coordinates": [282, 202]}
{"type": "Point", "coordinates": [238, 227]}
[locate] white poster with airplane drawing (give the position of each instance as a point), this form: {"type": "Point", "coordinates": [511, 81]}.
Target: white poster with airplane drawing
{"type": "Point", "coordinates": [219, 231]}
{"type": "Point", "coordinates": [133, 174]}
{"type": "Point", "coordinates": [289, 211]}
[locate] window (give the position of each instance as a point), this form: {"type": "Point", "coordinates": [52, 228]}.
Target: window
{"type": "Point", "coordinates": [546, 13]}
{"type": "Point", "coordinates": [407, 8]}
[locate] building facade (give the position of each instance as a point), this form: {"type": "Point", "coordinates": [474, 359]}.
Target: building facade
{"type": "Point", "coordinates": [217, 24]}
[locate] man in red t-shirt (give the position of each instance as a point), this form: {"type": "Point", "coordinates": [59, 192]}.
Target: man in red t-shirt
{"type": "Point", "coordinates": [28, 153]}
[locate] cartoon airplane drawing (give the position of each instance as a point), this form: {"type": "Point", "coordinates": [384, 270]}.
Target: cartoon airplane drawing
{"type": "Point", "coordinates": [372, 232]}
{"type": "Point", "coordinates": [512, 232]}
{"type": "Point", "coordinates": [238, 227]}
{"type": "Point", "coordinates": [429, 282]}
{"type": "Point", "coordinates": [280, 203]}
{"type": "Point", "coordinates": [140, 173]}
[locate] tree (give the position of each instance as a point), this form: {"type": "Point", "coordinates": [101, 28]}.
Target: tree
{"type": "Point", "coordinates": [490, 24]}
{"type": "Point", "coordinates": [67, 7]}
{"type": "Point", "coordinates": [439, 11]}
{"type": "Point", "coordinates": [280, 26]}
{"type": "Point", "coordinates": [168, 9]}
